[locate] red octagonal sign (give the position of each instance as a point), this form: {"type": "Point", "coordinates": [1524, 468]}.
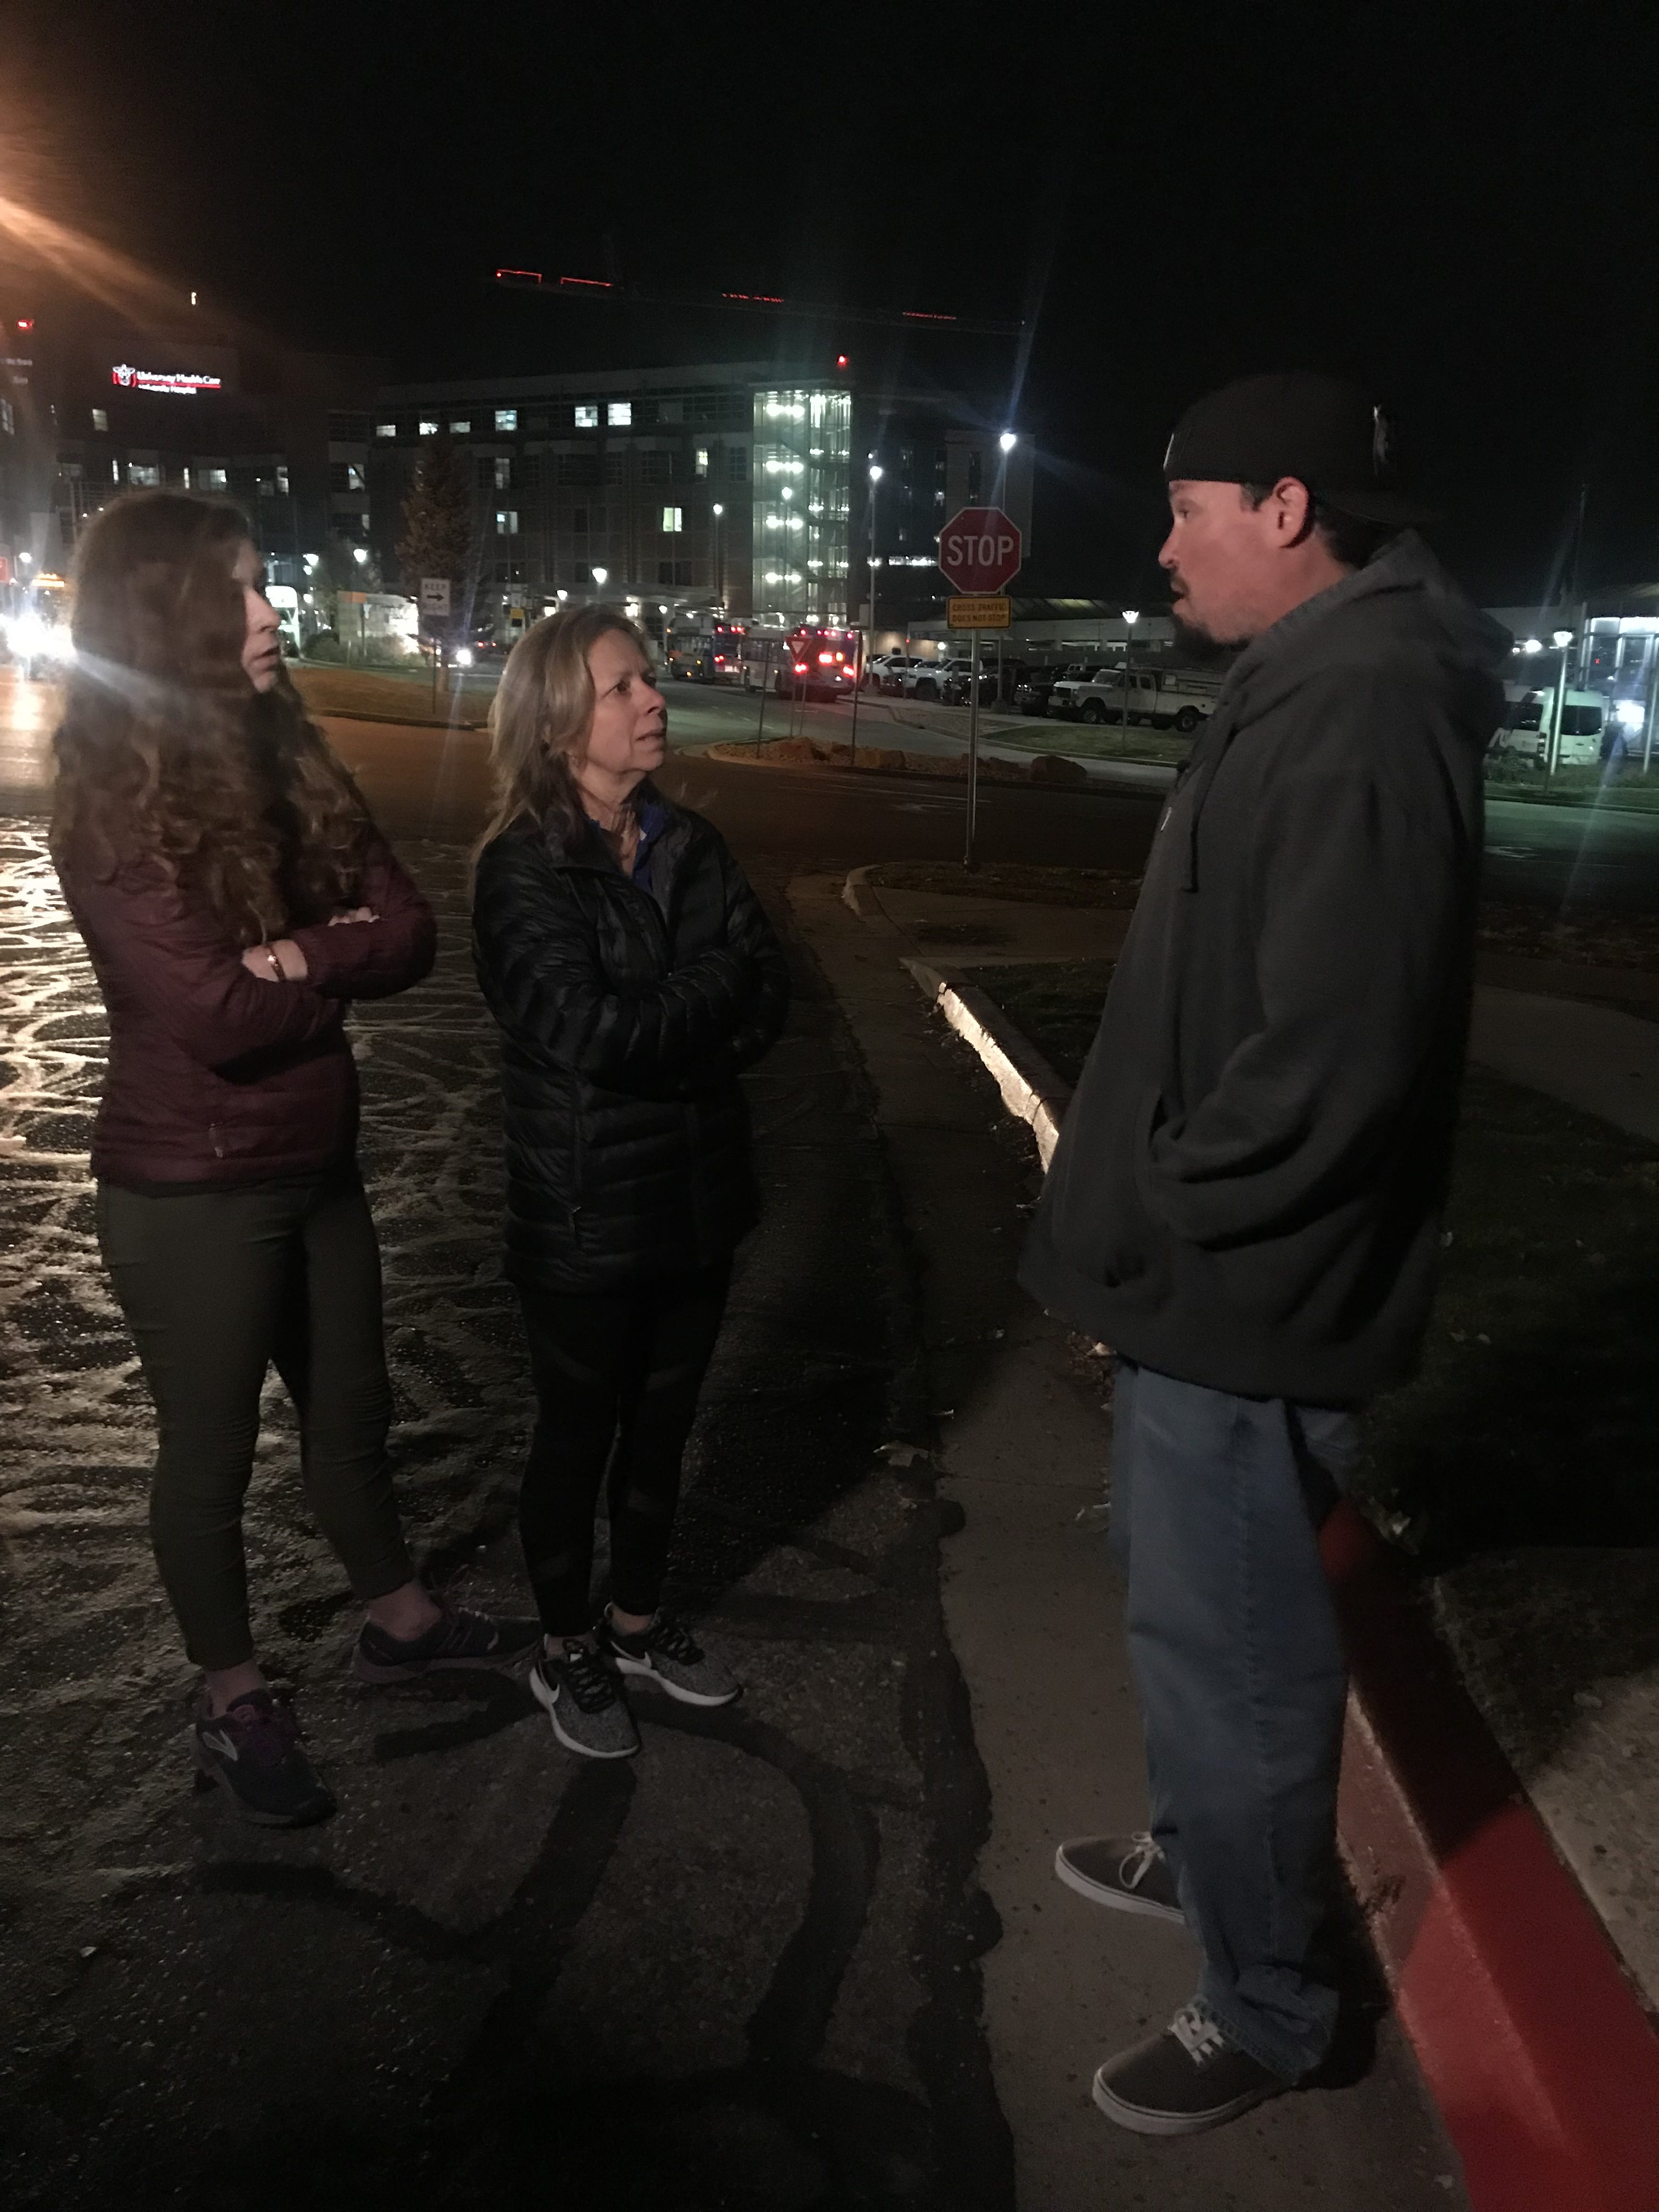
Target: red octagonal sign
{"type": "Point", "coordinates": [979, 550]}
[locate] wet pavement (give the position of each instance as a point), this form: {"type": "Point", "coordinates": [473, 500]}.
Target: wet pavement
{"type": "Point", "coordinates": [741, 1972]}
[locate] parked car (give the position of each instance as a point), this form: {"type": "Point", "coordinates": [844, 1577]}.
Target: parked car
{"type": "Point", "coordinates": [1062, 693]}
{"type": "Point", "coordinates": [1168, 698]}
{"type": "Point", "coordinates": [924, 679]}
{"type": "Point", "coordinates": [1528, 715]}
{"type": "Point", "coordinates": [877, 668]}
{"type": "Point", "coordinates": [1031, 691]}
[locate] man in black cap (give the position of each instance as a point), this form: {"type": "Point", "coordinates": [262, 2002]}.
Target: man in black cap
{"type": "Point", "coordinates": [1244, 1199]}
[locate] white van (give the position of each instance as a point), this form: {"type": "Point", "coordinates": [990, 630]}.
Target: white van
{"type": "Point", "coordinates": [1528, 715]}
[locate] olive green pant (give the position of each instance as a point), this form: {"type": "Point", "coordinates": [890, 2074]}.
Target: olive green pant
{"type": "Point", "coordinates": [216, 1287]}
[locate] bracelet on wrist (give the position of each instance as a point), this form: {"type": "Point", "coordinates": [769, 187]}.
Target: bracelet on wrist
{"type": "Point", "coordinates": [275, 964]}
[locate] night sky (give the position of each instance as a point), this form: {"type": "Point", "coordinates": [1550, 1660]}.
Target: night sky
{"type": "Point", "coordinates": [1457, 204]}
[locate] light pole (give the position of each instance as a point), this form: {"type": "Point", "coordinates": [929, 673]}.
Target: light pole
{"type": "Point", "coordinates": [1561, 639]}
{"type": "Point", "coordinates": [1131, 616]}
{"type": "Point", "coordinates": [875, 478]}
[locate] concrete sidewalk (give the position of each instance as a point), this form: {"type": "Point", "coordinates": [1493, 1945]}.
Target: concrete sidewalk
{"type": "Point", "coordinates": [1033, 1608]}
{"type": "Point", "coordinates": [1597, 1792]}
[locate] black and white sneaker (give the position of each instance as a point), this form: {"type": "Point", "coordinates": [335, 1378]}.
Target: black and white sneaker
{"type": "Point", "coordinates": [252, 1751]}
{"type": "Point", "coordinates": [667, 1651]}
{"type": "Point", "coordinates": [1128, 1873]}
{"type": "Point", "coordinates": [584, 1702]}
{"type": "Point", "coordinates": [1184, 2080]}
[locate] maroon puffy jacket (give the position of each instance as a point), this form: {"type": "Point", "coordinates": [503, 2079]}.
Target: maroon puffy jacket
{"type": "Point", "coordinates": [214, 1076]}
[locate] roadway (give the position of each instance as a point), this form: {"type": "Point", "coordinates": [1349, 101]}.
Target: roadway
{"type": "Point", "coordinates": [429, 782]}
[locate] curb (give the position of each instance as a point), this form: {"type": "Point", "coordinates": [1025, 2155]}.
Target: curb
{"type": "Point", "coordinates": [725, 752]}
{"type": "Point", "coordinates": [1540, 2056]}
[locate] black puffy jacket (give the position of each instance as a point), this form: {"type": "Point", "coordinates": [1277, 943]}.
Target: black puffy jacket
{"type": "Point", "coordinates": [626, 1016]}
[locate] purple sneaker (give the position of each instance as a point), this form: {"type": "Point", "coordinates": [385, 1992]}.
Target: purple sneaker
{"type": "Point", "coordinates": [458, 1638]}
{"type": "Point", "coordinates": [251, 1751]}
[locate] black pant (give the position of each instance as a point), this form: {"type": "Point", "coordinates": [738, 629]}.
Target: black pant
{"type": "Point", "coordinates": [216, 1286]}
{"type": "Point", "coordinates": [616, 1380]}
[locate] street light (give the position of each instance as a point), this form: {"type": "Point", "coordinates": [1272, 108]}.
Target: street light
{"type": "Point", "coordinates": [1008, 440]}
{"type": "Point", "coordinates": [875, 478]}
{"type": "Point", "coordinates": [602, 577]}
{"type": "Point", "coordinates": [360, 555]}
{"type": "Point", "coordinates": [1131, 616]}
{"type": "Point", "coordinates": [718, 510]}
{"type": "Point", "coordinates": [1560, 639]}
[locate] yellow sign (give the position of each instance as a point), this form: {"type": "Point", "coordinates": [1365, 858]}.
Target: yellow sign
{"type": "Point", "coordinates": [977, 614]}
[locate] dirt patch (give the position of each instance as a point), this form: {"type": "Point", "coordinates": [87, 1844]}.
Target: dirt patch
{"type": "Point", "coordinates": [1585, 940]}
{"type": "Point", "coordinates": [815, 752]}
{"type": "Point", "coordinates": [1004, 880]}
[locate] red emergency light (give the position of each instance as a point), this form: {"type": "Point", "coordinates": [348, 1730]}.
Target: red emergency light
{"type": "Point", "coordinates": [26, 322]}
{"type": "Point", "coordinates": [530, 275]}
{"type": "Point", "coordinates": [800, 668]}
{"type": "Point", "coordinates": [824, 659]}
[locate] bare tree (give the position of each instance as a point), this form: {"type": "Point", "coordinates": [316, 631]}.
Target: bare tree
{"type": "Point", "coordinates": [437, 533]}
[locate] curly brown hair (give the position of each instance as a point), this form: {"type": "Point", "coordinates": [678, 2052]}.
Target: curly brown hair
{"type": "Point", "coordinates": [166, 751]}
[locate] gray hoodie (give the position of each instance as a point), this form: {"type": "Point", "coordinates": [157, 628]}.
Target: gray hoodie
{"type": "Point", "coordinates": [1247, 1188]}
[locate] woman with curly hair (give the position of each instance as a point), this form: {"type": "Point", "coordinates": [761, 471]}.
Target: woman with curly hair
{"type": "Point", "coordinates": [635, 976]}
{"type": "Point", "coordinates": [235, 895]}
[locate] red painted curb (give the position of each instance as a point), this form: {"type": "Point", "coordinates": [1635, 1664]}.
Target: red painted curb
{"type": "Point", "coordinates": [1543, 2063]}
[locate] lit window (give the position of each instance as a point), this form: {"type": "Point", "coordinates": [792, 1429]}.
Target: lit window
{"type": "Point", "coordinates": [702, 461]}
{"type": "Point", "coordinates": [620, 414]}
{"type": "Point", "coordinates": [144, 472]}
{"type": "Point", "coordinates": [506, 418]}
{"type": "Point", "coordinates": [588, 418]}
{"type": "Point", "coordinates": [503, 473]}
{"type": "Point", "coordinates": [216, 479]}
{"type": "Point", "coordinates": [385, 429]}
{"type": "Point", "coordinates": [428, 426]}
{"type": "Point", "coordinates": [354, 477]}
{"type": "Point", "coordinates": [282, 481]}
{"type": "Point", "coordinates": [100, 418]}
{"type": "Point", "coordinates": [507, 521]}
{"type": "Point", "coordinates": [185, 472]}
{"type": "Point", "coordinates": [114, 469]}
{"type": "Point", "coordinates": [673, 519]}
{"type": "Point", "coordinates": [462, 427]}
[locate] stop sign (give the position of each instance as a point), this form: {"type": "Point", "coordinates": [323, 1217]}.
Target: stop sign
{"type": "Point", "coordinates": [979, 550]}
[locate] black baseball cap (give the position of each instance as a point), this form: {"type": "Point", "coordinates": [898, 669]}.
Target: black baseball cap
{"type": "Point", "coordinates": [1328, 433]}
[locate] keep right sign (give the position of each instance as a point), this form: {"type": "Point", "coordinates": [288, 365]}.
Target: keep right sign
{"type": "Point", "coordinates": [979, 550]}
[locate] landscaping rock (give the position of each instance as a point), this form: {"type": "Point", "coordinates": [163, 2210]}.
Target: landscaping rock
{"type": "Point", "coordinates": [1055, 768]}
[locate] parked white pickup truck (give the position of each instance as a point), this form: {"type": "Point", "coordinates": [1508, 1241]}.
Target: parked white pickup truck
{"type": "Point", "coordinates": [1168, 698]}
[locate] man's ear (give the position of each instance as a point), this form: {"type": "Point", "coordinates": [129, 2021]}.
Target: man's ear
{"type": "Point", "coordinates": [1294, 512]}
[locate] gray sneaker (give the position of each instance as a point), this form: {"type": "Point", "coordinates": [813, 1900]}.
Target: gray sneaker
{"type": "Point", "coordinates": [1186, 2080]}
{"type": "Point", "coordinates": [669, 1653]}
{"type": "Point", "coordinates": [584, 1702]}
{"type": "Point", "coordinates": [1128, 1873]}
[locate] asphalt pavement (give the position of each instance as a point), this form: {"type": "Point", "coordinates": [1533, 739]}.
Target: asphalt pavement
{"type": "Point", "coordinates": [741, 1973]}
{"type": "Point", "coordinates": [434, 782]}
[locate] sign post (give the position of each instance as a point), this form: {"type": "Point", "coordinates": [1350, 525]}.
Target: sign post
{"type": "Point", "coordinates": [980, 550]}
{"type": "Point", "coordinates": [434, 604]}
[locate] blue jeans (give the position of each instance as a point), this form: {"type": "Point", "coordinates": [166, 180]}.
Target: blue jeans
{"type": "Point", "coordinates": [1233, 1639]}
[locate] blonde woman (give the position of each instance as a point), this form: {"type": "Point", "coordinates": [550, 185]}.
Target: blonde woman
{"type": "Point", "coordinates": [635, 976]}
